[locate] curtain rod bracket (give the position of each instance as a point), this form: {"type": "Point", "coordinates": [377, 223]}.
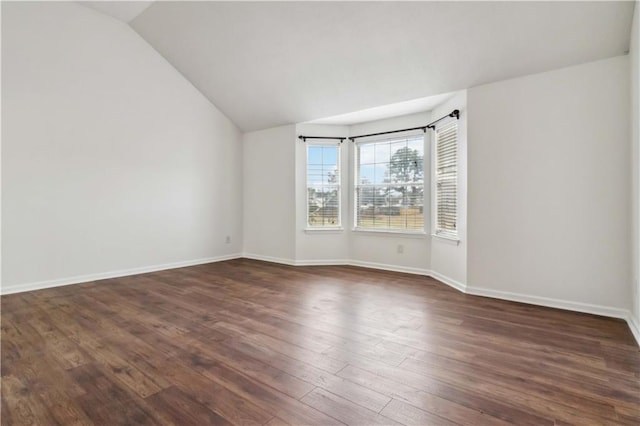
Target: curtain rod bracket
{"type": "Point", "coordinates": [304, 138]}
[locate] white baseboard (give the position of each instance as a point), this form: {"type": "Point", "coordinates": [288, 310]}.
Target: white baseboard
{"type": "Point", "coordinates": [634, 325]}
{"type": "Point", "coordinates": [387, 267]}
{"type": "Point", "coordinates": [410, 270]}
{"type": "Point", "coordinates": [550, 302]}
{"type": "Point", "coordinates": [449, 281]}
{"type": "Point", "coordinates": [272, 259]}
{"type": "Point", "coordinates": [113, 274]}
{"type": "Point", "coordinates": [323, 262]}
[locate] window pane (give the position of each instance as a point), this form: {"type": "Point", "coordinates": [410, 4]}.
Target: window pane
{"type": "Point", "coordinates": [406, 163]}
{"type": "Point", "coordinates": [314, 155]}
{"type": "Point", "coordinates": [416, 144]}
{"type": "Point", "coordinates": [330, 174]}
{"type": "Point", "coordinates": [323, 206]}
{"type": "Point", "coordinates": [330, 155]}
{"type": "Point", "coordinates": [382, 152]}
{"type": "Point", "coordinates": [323, 185]}
{"type": "Point", "coordinates": [390, 191]}
{"type": "Point", "coordinates": [381, 173]}
{"type": "Point", "coordinates": [366, 174]}
{"type": "Point", "coordinates": [397, 148]}
{"type": "Point", "coordinates": [366, 154]}
{"type": "Point", "coordinates": [314, 174]}
{"type": "Point", "coordinates": [397, 207]}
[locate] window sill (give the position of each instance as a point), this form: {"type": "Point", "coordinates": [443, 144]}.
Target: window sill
{"type": "Point", "coordinates": [447, 238]}
{"type": "Point", "coordinates": [327, 230]}
{"type": "Point", "coordinates": [390, 233]}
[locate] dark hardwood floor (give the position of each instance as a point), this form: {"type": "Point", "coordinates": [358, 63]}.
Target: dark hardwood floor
{"type": "Point", "coordinates": [248, 342]}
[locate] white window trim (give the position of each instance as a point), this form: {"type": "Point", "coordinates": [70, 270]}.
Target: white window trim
{"type": "Point", "coordinates": [449, 236]}
{"type": "Point", "coordinates": [326, 229]}
{"type": "Point", "coordinates": [391, 232]}
{"type": "Point", "coordinates": [381, 231]}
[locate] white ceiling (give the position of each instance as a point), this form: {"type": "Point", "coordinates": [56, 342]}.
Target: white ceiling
{"type": "Point", "coordinates": [124, 11]}
{"type": "Point", "coordinates": [271, 63]}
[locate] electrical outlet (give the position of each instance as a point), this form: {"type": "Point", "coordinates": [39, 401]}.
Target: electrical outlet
{"type": "Point", "coordinates": [400, 249]}
{"type": "Point", "coordinates": [228, 240]}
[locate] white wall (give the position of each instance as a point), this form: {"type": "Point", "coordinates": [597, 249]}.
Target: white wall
{"type": "Point", "coordinates": [449, 259]}
{"type": "Point", "coordinates": [549, 184]}
{"type": "Point", "coordinates": [111, 160]}
{"type": "Point", "coordinates": [269, 193]}
{"type": "Point", "coordinates": [321, 246]}
{"type": "Point", "coordinates": [634, 59]}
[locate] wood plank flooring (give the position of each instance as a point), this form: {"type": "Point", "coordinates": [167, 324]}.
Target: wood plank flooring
{"type": "Point", "coordinates": [255, 343]}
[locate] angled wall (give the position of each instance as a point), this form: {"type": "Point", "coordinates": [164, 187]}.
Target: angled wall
{"type": "Point", "coordinates": [449, 258]}
{"type": "Point", "coordinates": [269, 194]}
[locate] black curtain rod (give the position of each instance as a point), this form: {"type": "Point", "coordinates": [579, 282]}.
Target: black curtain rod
{"type": "Point", "coordinates": [455, 113]}
{"type": "Point", "coordinates": [304, 138]}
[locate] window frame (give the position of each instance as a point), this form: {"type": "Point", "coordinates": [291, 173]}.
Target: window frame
{"type": "Point", "coordinates": [356, 185]}
{"type": "Point", "coordinates": [453, 235]}
{"type": "Point", "coordinates": [338, 184]}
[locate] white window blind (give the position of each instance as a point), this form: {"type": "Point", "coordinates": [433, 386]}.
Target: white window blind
{"type": "Point", "coordinates": [389, 190]}
{"type": "Point", "coordinates": [447, 179]}
{"type": "Point", "coordinates": [323, 186]}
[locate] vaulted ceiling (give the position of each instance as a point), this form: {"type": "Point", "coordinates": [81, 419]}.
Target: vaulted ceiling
{"type": "Point", "coordinates": [124, 11]}
{"type": "Point", "coordinates": [270, 63]}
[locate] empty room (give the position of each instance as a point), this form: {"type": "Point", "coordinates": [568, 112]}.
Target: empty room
{"type": "Point", "coordinates": [320, 213]}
